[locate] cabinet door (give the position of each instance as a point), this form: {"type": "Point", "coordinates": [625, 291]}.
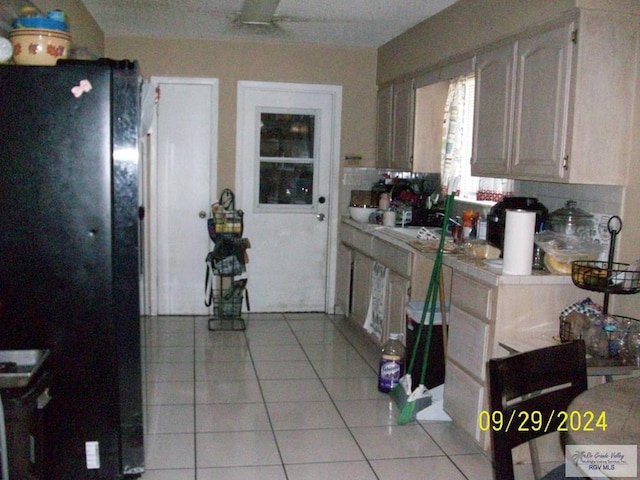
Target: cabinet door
{"type": "Point", "coordinates": [493, 112]}
{"type": "Point", "coordinates": [344, 283]}
{"type": "Point", "coordinates": [397, 293]}
{"type": "Point", "coordinates": [384, 127]}
{"type": "Point", "coordinates": [605, 78]}
{"type": "Point", "coordinates": [541, 104]}
{"type": "Point", "coordinates": [361, 289]}
{"type": "Point", "coordinates": [402, 129]}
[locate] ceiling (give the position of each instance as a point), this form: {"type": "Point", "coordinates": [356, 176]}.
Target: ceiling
{"type": "Point", "coordinates": [355, 23]}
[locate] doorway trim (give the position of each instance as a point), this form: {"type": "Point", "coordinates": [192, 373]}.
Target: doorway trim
{"type": "Point", "coordinates": [335, 91]}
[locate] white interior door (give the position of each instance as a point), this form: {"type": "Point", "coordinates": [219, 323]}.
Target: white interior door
{"type": "Point", "coordinates": [288, 148]}
{"type": "Point", "coordinates": [183, 182]}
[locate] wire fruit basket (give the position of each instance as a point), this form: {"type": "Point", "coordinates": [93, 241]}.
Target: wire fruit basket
{"type": "Point", "coordinates": [605, 277]}
{"type": "Point", "coordinates": [225, 221]}
{"type": "Point", "coordinates": [226, 224]}
{"type": "Point", "coordinates": [227, 306]}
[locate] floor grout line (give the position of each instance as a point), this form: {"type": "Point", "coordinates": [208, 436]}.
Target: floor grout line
{"type": "Point", "coordinates": [305, 341]}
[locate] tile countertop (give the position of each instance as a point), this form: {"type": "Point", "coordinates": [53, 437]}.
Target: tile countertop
{"type": "Point", "coordinates": [477, 269]}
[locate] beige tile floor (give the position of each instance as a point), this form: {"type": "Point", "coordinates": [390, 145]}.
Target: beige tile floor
{"type": "Point", "coordinates": [293, 397]}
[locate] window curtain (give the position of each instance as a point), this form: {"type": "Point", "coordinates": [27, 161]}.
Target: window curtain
{"type": "Point", "coordinates": [457, 139]}
{"type": "Point", "coordinates": [452, 135]}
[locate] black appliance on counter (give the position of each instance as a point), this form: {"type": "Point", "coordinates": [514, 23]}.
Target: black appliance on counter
{"type": "Point", "coordinates": [69, 273]}
{"type": "Point", "coordinates": [497, 216]}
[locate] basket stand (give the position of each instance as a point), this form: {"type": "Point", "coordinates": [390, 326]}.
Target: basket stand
{"type": "Point", "coordinates": [611, 278]}
{"type": "Point", "coordinates": [226, 261]}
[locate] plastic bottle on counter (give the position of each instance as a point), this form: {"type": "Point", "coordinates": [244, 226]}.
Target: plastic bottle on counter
{"type": "Point", "coordinates": [469, 224]}
{"type": "Point", "coordinates": [391, 367]}
{"type": "Point", "coordinates": [383, 203]}
{"type": "Point", "coordinates": [482, 227]}
{"type": "Point", "coordinates": [389, 218]}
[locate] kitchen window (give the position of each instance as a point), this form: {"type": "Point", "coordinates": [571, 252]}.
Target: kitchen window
{"type": "Point", "coordinates": [455, 135]}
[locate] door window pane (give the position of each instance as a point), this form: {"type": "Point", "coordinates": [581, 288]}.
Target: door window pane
{"type": "Point", "coordinates": [286, 183]}
{"type": "Point", "coordinates": [286, 135]}
{"type": "Point", "coordinates": [286, 160]}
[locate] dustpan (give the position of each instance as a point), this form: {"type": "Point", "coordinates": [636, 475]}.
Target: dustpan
{"type": "Point", "coordinates": [412, 401]}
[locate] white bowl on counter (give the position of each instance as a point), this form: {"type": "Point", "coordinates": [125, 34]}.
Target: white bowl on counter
{"type": "Point", "coordinates": [361, 213]}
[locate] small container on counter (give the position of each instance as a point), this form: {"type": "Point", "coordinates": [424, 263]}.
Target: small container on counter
{"type": "Point", "coordinates": [482, 227]}
{"type": "Point", "coordinates": [384, 202]}
{"type": "Point", "coordinates": [470, 224]}
{"type": "Point", "coordinates": [389, 218]}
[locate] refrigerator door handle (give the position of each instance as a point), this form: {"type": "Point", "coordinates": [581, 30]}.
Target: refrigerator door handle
{"type": "Point", "coordinates": [43, 399]}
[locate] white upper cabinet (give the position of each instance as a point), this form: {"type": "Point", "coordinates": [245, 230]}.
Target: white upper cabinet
{"type": "Point", "coordinates": [395, 126]}
{"type": "Point", "coordinates": [540, 104]}
{"type": "Point", "coordinates": [383, 126]}
{"type": "Point", "coordinates": [493, 112]}
{"type": "Point", "coordinates": [402, 118]}
{"type": "Point", "coordinates": [557, 106]}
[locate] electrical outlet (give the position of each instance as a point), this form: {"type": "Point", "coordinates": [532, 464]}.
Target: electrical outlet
{"type": "Point", "coordinates": [92, 450]}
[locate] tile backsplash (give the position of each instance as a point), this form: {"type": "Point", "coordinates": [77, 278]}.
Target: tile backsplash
{"type": "Point", "coordinates": [602, 199]}
{"type": "Point", "coordinates": [605, 199]}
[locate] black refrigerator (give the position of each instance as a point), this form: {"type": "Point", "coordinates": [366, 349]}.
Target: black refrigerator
{"type": "Point", "coordinates": [69, 273]}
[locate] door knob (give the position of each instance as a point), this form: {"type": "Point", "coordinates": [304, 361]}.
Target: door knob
{"type": "Point", "coordinates": [320, 217]}
{"type": "Point", "coordinates": [202, 214]}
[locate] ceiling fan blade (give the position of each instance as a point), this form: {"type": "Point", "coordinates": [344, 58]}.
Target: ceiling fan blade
{"type": "Point", "coordinates": [258, 11]}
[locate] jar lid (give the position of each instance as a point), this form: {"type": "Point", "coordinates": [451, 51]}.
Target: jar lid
{"type": "Point", "coordinates": [54, 21]}
{"type": "Point", "coordinates": [571, 214]}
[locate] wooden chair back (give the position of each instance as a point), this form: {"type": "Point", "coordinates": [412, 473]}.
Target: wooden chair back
{"type": "Point", "coordinates": [544, 381]}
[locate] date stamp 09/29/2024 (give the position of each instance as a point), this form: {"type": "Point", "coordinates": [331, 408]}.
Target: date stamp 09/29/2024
{"type": "Point", "coordinates": [594, 460]}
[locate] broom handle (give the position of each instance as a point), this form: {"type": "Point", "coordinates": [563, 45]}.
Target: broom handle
{"type": "Point", "coordinates": [433, 286]}
{"type": "Point", "coordinates": [443, 314]}
{"type": "Point", "coordinates": [423, 317]}
{"type": "Point", "coordinates": [427, 348]}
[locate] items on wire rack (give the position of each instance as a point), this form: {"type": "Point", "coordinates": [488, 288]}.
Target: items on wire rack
{"type": "Point", "coordinates": [609, 337]}
{"type": "Point", "coordinates": [227, 260]}
{"type": "Point", "coordinates": [607, 277]}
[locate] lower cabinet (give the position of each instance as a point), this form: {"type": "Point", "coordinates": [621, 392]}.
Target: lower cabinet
{"type": "Point", "coordinates": [483, 314]}
{"type": "Point", "coordinates": [356, 260]}
{"type": "Point", "coordinates": [360, 286]}
{"type": "Point", "coordinates": [343, 279]}
{"type": "Point", "coordinates": [464, 398]}
{"type": "Point", "coordinates": [470, 332]}
{"type": "Point", "coordinates": [409, 274]}
{"type": "Point", "coordinates": [397, 292]}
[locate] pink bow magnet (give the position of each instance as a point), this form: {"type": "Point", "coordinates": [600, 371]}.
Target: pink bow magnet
{"type": "Point", "coordinates": [82, 87]}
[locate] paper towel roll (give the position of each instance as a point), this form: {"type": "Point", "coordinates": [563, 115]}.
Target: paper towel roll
{"type": "Point", "coordinates": [519, 229]}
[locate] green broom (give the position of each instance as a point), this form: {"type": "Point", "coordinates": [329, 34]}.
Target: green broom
{"type": "Point", "coordinates": [410, 402]}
